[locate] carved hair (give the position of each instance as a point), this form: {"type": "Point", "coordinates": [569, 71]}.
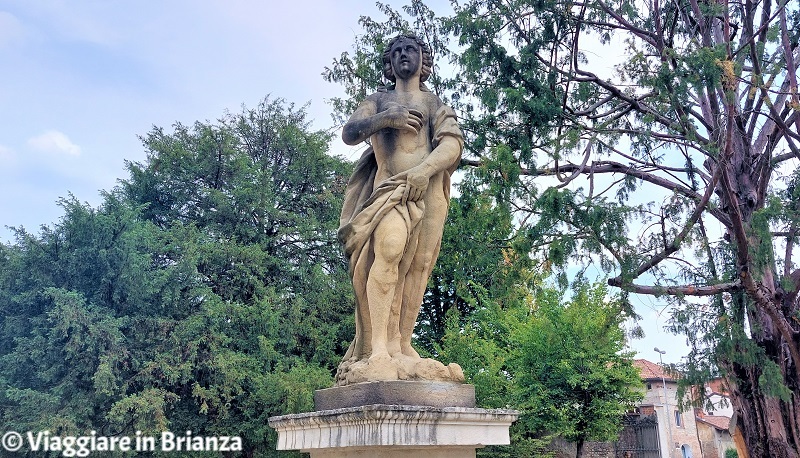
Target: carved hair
{"type": "Point", "coordinates": [427, 58]}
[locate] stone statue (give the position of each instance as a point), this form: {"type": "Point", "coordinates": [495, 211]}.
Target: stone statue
{"type": "Point", "coordinates": [393, 216]}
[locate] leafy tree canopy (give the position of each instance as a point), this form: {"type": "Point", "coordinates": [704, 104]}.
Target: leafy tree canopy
{"type": "Point", "coordinates": [674, 171]}
{"type": "Point", "coordinates": [560, 362]}
{"type": "Point", "coordinates": [206, 293]}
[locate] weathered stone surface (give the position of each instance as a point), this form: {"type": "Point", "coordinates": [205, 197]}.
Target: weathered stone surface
{"type": "Point", "coordinates": [397, 452]}
{"type": "Point", "coordinates": [404, 368]}
{"type": "Point", "coordinates": [386, 430]}
{"type": "Point", "coordinates": [409, 393]}
{"type": "Point", "coordinates": [393, 216]}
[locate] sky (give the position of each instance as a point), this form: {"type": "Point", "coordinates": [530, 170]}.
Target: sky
{"type": "Point", "coordinates": [81, 80]}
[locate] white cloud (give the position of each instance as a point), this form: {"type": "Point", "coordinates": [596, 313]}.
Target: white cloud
{"type": "Point", "coordinates": [11, 29]}
{"type": "Point", "coordinates": [6, 155]}
{"type": "Point", "coordinates": [54, 141]}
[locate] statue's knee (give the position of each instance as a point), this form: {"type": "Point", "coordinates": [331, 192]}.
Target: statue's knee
{"type": "Point", "coordinates": [390, 247]}
{"type": "Point", "coordinates": [423, 264]}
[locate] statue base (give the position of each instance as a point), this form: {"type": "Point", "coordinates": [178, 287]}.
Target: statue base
{"type": "Point", "coordinates": [393, 431]}
{"type": "Point", "coordinates": [396, 392]}
{"type": "Point", "coordinates": [353, 371]}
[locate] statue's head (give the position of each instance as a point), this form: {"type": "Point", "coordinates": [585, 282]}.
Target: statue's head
{"type": "Point", "coordinates": [427, 58]}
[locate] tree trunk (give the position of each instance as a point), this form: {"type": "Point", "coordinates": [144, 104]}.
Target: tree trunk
{"type": "Point", "coordinates": [769, 424]}
{"type": "Point", "coordinates": [579, 448]}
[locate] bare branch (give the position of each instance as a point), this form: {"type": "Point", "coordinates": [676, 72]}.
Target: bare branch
{"type": "Point", "coordinates": [683, 290]}
{"type": "Point", "coordinates": [704, 175]}
{"type": "Point", "coordinates": [645, 35]}
{"type": "Point", "coordinates": [789, 56]}
{"type": "Point", "coordinates": [616, 167]}
{"type": "Point", "coordinates": [638, 105]}
{"type": "Point", "coordinates": [579, 170]}
{"type": "Point", "coordinates": [676, 243]}
{"type": "Point", "coordinates": [789, 233]}
{"type": "Point", "coordinates": [591, 108]}
{"type": "Point", "coordinates": [787, 258]}
{"type": "Point", "coordinates": [782, 158]}
{"type": "Point", "coordinates": [771, 124]}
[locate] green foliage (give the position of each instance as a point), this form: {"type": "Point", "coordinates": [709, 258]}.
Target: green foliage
{"type": "Point", "coordinates": [480, 262]}
{"type": "Point", "coordinates": [360, 71]}
{"type": "Point", "coordinates": [771, 382]}
{"type": "Point", "coordinates": [500, 73]}
{"type": "Point", "coordinates": [575, 377]}
{"type": "Point", "coordinates": [731, 453]}
{"type": "Point", "coordinates": [562, 365]}
{"type": "Point", "coordinates": [259, 200]}
{"type": "Point", "coordinates": [207, 293]}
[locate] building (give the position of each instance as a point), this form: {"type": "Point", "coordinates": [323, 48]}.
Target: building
{"type": "Point", "coordinates": [719, 398]}
{"type": "Point", "coordinates": [658, 429]}
{"type": "Point", "coordinates": [714, 434]}
{"type": "Point", "coordinates": [677, 431]}
{"type": "Point", "coordinates": [715, 428]}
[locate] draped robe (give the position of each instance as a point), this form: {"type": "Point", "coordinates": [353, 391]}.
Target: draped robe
{"type": "Point", "coordinates": [364, 207]}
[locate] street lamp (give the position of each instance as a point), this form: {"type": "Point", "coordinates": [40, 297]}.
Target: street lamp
{"type": "Point", "coordinates": [667, 416]}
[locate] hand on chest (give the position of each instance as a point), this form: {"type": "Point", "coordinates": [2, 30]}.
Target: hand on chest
{"type": "Point", "coordinates": [415, 103]}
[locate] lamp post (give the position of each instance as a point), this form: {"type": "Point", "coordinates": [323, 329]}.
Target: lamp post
{"type": "Point", "coordinates": [667, 416]}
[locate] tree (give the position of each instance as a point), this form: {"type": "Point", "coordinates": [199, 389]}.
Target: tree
{"type": "Point", "coordinates": [574, 376]}
{"type": "Point", "coordinates": [561, 362]}
{"type": "Point", "coordinates": [675, 173]}
{"type": "Point", "coordinates": [703, 111]}
{"type": "Point", "coordinates": [479, 261]}
{"type": "Point", "coordinates": [206, 293]}
{"type": "Point", "coordinates": [265, 198]}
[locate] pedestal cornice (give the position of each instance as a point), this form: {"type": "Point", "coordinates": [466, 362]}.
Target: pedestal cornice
{"type": "Point", "coordinates": [381, 425]}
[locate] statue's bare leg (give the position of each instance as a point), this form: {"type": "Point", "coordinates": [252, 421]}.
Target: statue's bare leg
{"type": "Point", "coordinates": [363, 340]}
{"type": "Point", "coordinates": [389, 240]}
{"type": "Point", "coordinates": [432, 226]}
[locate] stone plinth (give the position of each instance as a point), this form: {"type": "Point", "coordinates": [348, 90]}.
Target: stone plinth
{"type": "Point", "coordinates": [398, 392]}
{"type": "Point", "coordinates": [393, 431]}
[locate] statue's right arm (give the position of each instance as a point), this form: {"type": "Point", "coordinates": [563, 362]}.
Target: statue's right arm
{"type": "Point", "coordinates": [362, 123]}
{"type": "Point", "coordinates": [366, 121]}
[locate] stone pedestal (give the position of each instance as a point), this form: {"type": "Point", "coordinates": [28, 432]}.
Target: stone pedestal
{"type": "Point", "coordinates": [394, 419]}
{"type": "Point", "coordinates": [393, 431]}
{"type": "Point", "coordinates": [396, 392]}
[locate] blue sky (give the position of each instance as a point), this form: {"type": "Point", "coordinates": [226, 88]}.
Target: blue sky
{"type": "Point", "coordinates": [81, 79]}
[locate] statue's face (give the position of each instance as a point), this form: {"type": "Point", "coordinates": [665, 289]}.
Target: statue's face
{"type": "Point", "coordinates": [406, 58]}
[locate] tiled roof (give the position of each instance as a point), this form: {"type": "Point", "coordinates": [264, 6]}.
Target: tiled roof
{"type": "Point", "coordinates": [718, 386]}
{"type": "Point", "coordinates": [719, 422]}
{"type": "Point", "coordinates": [652, 371]}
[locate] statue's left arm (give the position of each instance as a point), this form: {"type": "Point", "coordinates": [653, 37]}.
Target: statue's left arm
{"type": "Point", "coordinates": [448, 142]}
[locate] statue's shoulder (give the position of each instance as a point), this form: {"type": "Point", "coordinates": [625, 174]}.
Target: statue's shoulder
{"type": "Point", "coordinates": [433, 101]}
{"type": "Point", "coordinates": [382, 95]}
{"type": "Point", "coordinates": [376, 96]}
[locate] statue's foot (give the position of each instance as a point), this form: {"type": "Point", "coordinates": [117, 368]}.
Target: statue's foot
{"type": "Point", "coordinates": [456, 373]}
{"type": "Point", "coordinates": [383, 367]}
{"type": "Point", "coordinates": [430, 369]}
{"type": "Point", "coordinates": [409, 351]}
{"type": "Point", "coordinates": [378, 367]}
{"type": "Point", "coordinates": [394, 348]}
{"type": "Point", "coordinates": [380, 358]}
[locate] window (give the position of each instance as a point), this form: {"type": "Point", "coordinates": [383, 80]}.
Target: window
{"type": "Point", "coordinates": [649, 386]}
{"type": "Point", "coordinates": [686, 451]}
{"type": "Point", "coordinates": [677, 418]}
